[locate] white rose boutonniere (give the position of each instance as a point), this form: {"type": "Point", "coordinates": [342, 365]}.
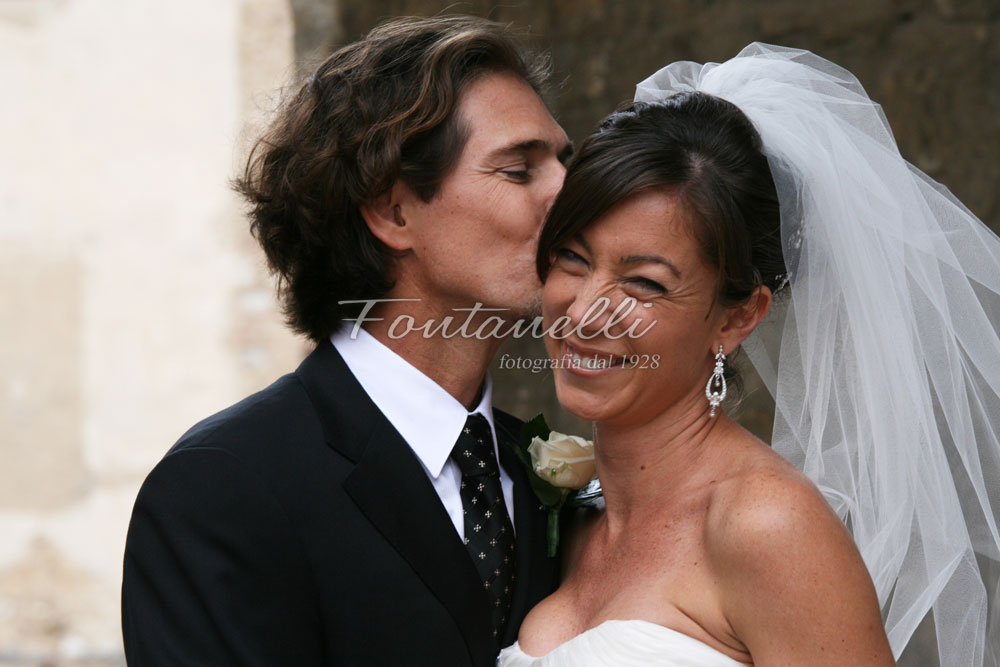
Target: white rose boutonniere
{"type": "Point", "coordinates": [559, 468]}
{"type": "Point", "coordinates": [566, 461]}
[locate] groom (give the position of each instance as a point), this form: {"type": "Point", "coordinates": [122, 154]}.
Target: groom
{"type": "Point", "coordinates": [364, 509]}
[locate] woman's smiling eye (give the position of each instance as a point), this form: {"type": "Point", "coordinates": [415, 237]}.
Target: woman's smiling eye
{"type": "Point", "coordinates": [570, 256]}
{"type": "Point", "coordinates": [647, 284]}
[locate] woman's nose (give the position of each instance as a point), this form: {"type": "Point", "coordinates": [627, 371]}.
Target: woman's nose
{"type": "Point", "coordinates": [591, 310]}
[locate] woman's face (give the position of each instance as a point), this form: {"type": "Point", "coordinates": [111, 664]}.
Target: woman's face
{"type": "Point", "coordinates": [642, 250]}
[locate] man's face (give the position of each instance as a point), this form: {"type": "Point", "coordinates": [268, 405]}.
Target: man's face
{"type": "Point", "coordinates": [475, 240]}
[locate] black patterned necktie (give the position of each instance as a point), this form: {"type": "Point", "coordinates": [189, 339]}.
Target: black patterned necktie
{"type": "Point", "coordinates": [489, 535]}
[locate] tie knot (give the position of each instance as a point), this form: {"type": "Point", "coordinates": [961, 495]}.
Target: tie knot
{"type": "Point", "coordinates": [474, 451]}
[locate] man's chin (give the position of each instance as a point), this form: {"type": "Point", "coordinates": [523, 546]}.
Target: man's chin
{"type": "Point", "coordinates": [530, 309]}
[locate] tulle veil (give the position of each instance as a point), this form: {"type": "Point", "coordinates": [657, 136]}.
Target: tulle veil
{"type": "Point", "coordinates": [884, 359]}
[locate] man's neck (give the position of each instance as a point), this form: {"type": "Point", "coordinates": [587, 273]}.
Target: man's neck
{"type": "Point", "coordinates": [457, 363]}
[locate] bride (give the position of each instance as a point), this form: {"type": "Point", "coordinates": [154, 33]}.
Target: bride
{"type": "Point", "coordinates": [761, 204]}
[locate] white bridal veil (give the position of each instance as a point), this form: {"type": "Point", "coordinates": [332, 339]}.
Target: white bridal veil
{"type": "Point", "coordinates": [884, 363]}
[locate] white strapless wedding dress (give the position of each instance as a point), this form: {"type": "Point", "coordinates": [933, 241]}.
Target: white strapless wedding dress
{"type": "Point", "coordinates": [623, 644]}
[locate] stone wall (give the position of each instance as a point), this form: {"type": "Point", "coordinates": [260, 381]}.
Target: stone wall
{"type": "Point", "coordinates": [132, 302]}
{"type": "Point", "coordinates": [933, 64]}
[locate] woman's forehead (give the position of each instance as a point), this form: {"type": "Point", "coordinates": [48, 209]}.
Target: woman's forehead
{"type": "Point", "coordinates": [646, 217]}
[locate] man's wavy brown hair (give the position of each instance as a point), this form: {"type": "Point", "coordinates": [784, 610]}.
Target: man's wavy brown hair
{"type": "Point", "coordinates": [376, 111]}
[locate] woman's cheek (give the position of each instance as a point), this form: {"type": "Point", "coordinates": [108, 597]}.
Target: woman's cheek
{"type": "Point", "coordinates": [627, 317]}
{"type": "Point", "coordinates": [557, 295]}
{"type": "Point", "coordinates": [553, 308]}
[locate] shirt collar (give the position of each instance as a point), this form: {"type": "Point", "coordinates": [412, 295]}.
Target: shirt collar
{"type": "Point", "coordinates": [428, 417]}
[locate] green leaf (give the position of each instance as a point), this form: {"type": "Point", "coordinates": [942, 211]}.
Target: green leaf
{"type": "Point", "coordinates": [548, 495]}
{"type": "Point", "coordinates": [522, 456]}
{"type": "Point", "coordinates": [536, 426]}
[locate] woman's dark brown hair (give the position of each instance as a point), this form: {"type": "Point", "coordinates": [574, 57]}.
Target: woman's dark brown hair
{"type": "Point", "coordinates": [376, 111]}
{"type": "Point", "coordinates": [696, 146]}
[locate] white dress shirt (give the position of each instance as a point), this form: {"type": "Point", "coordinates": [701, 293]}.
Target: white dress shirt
{"type": "Point", "coordinates": [428, 417]}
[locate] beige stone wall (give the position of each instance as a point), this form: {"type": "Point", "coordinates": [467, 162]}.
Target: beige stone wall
{"type": "Point", "coordinates": [132, 300]}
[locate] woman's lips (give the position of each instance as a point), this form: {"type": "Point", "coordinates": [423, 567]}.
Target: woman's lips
{"type": "Point", "coordinates": [587, 362]}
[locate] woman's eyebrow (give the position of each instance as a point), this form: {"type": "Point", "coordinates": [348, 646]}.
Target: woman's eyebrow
{"type": "Point", "coordinates": [636, 259]}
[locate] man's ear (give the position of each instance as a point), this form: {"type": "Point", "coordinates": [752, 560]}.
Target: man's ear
{"type": "Point", "coordinates": [386, 219]}
{"type": "Point", "coordinates": [741, 320]}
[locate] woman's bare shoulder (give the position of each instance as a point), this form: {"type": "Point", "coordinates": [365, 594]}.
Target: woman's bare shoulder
{"type": "Point", "coordinates": [765, 493]}
{"type": "Point", "coordinates": [768, 509]}
{"type": "Point", "coordinates": [787, 567]}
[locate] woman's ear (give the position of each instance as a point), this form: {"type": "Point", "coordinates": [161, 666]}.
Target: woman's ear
{"type": "Point", "coordinates": [741, 320]}
{"type": "Point", "coordinates": [386, 219]}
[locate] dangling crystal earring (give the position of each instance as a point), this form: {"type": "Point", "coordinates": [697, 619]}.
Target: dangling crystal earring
{"type": "Point", "coordinates": [715, 390]}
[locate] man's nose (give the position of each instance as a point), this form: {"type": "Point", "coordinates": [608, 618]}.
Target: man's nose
{"type": "Point", "coordinates": [554, 185]}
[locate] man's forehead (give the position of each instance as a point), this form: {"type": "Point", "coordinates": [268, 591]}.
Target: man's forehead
{"type": "Point", "coordinates": [502, 113]}
{"type": "Point", "coordinates": [561, 147]}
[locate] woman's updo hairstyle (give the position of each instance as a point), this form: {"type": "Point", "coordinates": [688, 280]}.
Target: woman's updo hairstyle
{"type": "Point", "coordinates": [700, 148]}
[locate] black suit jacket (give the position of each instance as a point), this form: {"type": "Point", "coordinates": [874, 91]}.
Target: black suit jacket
{"type": "Point", "coordinates": [298, 528]}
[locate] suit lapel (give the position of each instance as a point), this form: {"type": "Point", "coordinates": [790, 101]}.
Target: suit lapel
{"type": "Point", "coordinates": [391, 488]}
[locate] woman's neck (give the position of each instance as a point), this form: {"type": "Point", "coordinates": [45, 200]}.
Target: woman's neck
{"type": "Point", "coordinates": [643, 466]}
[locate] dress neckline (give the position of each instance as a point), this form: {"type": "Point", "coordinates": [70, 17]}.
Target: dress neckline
{"type": "Point", "coordinates": [649, 625]}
